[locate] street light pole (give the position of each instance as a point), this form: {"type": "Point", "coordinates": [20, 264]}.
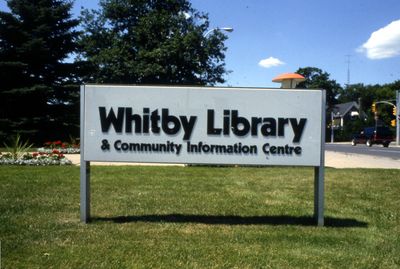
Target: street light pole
{"type": "Point", "coordinates": [227, 29]}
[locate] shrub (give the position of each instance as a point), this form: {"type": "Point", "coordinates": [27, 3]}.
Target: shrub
{"type": "Point", "coordinates": [35, 158]}
{"type": "Point", "coordinates": [62, 147]}
{"type": "Point", "coordinates": [17, 148]}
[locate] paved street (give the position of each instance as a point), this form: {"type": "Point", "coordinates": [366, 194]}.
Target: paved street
{"type": "Point", "coordinates": [392, 151]}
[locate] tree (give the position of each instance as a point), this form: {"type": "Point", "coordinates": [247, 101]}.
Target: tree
{"type": "Point", "coordinates": [370, 94]}
{"type": "Point", "coordinates": [37, 95]}
{"type": "Point", "coordinates": [151, 42]}
{"type": "Point", "coordinates": [318, 79]}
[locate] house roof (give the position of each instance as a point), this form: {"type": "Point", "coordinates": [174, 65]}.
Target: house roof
{"type": "Point", "coordinates": [344, 108]}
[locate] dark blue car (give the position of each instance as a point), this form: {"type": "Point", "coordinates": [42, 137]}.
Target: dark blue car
{"type": "Point", "coordinates": [372, 135]}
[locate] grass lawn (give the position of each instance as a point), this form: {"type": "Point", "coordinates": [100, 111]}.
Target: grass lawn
{"type": "Point", "coordinates": [198, 217]}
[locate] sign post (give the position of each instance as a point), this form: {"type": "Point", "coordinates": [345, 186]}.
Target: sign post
{"type": "Point", "coordinates": [201, 125]}
{"type": "Point", "coordinates": [319, 173]}
{"type": "Point", "coordinates": [85, 167]}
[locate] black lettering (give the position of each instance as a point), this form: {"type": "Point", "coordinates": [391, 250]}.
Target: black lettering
{"type": "Point", "coordinates": [281, 126]}
{"type": "Point", "coordinates": [238, 122]}
{"type": "Point", "coordinates": [146, 118]}
{"type": "Point", "coordinates": [107, 120]}
{"type": "Point", "coordinates": [297, 150]}
{"type": "Point", "coordinates": [130, 118]}
{"type": "Point", "coordinates": [288, 150]}
{"type": "Point", "coordinates": [269, 127]}
{"type": "Point", "coordinates": [166, 120]}
{"type": "Point", "coordinates": [298, 129]}
{"type": "Point", "coordinates": [265, 148]}
{"type": "Point", "coordinates": [254, 125]}
{"type": "Point", "coordinates": [155, 118]}
{"type": "Point", "coordinates": [226, 122]}
{"type": "Point", "coordinates": [188, 126]}
{"type": "Point", "coordinates": [117, 145]}
{"type": "Point", "coordinates": [272, 149]}
{"type": "Point", "coordinates": [211, 130]}
{"type": "Point", "coordinates": [125, 146]}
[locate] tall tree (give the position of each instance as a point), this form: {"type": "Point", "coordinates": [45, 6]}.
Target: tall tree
{"type": "Point", "coordinates": [36, 96]}
{"type": "Point", "coordinates": [370, 94]}
{"type": "Point", "coordinates": [151, 42]}
{"type": "Point", "coordinates": [318, 79]}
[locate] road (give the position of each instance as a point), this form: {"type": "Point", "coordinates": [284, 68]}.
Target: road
{"type": "Point", "coordinates": [392, 152]}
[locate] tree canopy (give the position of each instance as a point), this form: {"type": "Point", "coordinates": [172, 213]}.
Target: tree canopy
{"type": "Point", "coordinates": [151, 42]}
{"type": "Point", "coordinates": [318, 79]}
{"type": "Point", "coordinates": [123, 42]}
{"type": "Point", "coordinates": [36, 37]}
{"type": "Point", "coordinates": [369, 94]}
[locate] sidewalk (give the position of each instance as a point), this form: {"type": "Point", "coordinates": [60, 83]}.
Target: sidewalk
{"type": "Point", "coordinates": [332, 159]}
{"type": "Point", "coordinates": [346, 160]}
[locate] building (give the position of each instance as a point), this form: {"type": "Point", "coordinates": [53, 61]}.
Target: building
{"type": "Point", "coordinates": [344, 112]}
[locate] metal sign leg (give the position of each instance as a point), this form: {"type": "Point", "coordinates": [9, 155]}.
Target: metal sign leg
{"type": "Point", "coordinates": [319, 195]}
{"type": "Point", "coordinates": [85, 191]}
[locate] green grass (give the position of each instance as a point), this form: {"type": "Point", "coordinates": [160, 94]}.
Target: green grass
{"type": "Point", "coordinates": [198, 217]}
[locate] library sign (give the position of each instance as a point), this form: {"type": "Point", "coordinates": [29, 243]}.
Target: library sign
{"type": "Point", "coordinates": [202, 125]}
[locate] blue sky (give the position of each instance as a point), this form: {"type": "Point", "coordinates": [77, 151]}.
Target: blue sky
{"type": "Point", "coordinates": [304, 33]}
{"type": "Point", "coordinates": [289, 34]}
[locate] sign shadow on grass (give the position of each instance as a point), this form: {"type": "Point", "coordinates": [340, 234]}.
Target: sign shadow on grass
{"type": "Point", "coordinates": [237, 220]}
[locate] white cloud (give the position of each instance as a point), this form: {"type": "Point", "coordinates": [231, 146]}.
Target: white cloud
{"type": "Point", "coordinates": [270, 62]}
{"type": "Point", "coordinates": [383, 43]}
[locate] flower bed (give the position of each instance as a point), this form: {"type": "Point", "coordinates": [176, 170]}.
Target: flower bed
{"type": "Point", "coordinates": [62, 147]}
{"type": "Point", "coordinates": [35, 158]}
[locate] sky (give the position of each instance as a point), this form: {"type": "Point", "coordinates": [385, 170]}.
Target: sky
{"type": "Point", "coordinates": [272, 37]}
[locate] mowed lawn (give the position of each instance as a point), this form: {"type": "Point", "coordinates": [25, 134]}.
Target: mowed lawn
{"type": "Point", "coordinates": [198, 217]}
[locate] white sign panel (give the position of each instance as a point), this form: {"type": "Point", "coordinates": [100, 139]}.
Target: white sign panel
{"type": "Point", "coordinates": [202, 125]}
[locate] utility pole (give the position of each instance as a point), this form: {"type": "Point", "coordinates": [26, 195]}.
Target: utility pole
{"type": "Point", "coordinates": [348, 70]}
{"type": "Point", "coordinates": [397, 118]}
{"type": "Point", "coordinates": [332, 131]}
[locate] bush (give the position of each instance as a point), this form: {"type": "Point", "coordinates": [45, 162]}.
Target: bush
{"type": "Point", "coordinates": [62, 147]}
{"type": "Point", "coordinates": [35, 158]}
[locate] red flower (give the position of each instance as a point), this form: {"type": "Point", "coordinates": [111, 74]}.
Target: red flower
{"type": "Point", "coordinates": [55, 151]}
{"type": "Point", "coordinates": [58, 142]}
{"type": "Point", "coordinates": [35, 154]}
{"type": "Point", "coordinates": [47, 143]}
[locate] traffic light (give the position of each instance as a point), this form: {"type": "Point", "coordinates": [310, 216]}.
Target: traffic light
{"type": "Point", "coordinates": [393, 123]}
{"type": "Point", "coordinates": [373, 107]}
{"type": "Point", "coordinates": [394, 111]}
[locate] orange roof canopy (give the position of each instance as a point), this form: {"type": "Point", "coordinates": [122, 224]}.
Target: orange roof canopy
{"type": "Point", "coordinates": [289, 76]}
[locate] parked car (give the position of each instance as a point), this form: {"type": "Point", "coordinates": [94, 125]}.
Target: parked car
{"type": "Point", "coordinates": [370, 136]}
